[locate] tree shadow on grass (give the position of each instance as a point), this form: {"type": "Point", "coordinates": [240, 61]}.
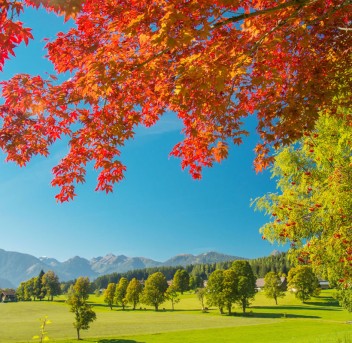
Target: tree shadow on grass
{"type": "Point", "coordinates": [297, 307]}
{"type": "Point", "coordinates": [116, 340]}
{"type": "Point", "coordinates": [279, 315]}
{"type": "Point", "coordinates": [330, 302]}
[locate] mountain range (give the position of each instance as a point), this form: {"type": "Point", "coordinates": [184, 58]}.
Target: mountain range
{"type": "Point", "coordinates": [16, 267]}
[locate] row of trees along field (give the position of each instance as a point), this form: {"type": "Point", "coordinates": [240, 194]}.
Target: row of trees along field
{"type": "Point", "coordinates": [44, 285]}
{"type": "Point", "coordinates": [198, 273]}
{"type": "Point", "coordinates": [48, 284]}
{"type": "Point", "coordinates": [237, 284]}
{"type": "Point", "coordinates": [225, 287]}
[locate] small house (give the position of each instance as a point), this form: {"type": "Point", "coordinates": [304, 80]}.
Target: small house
{"type": "Point", "coordinates": [260, 283]}
{"type": "Point", "coordinates": [8, 295]}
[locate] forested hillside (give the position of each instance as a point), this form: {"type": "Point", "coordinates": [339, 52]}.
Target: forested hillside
{"type": "Point", "coordinates": [260, 266]}
{"type": "Point", "coordinates": [277, 263]}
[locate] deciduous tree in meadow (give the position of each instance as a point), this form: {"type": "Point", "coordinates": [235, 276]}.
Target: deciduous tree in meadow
{"type": "Point", "coordinates": [303, 282]}
{"type": "Point", "coordinates": [77, 299]}
{"type": "Point", "coordinates": [172, 295]}
{"type": "Point", "coordinates": [211, 62]}
{"type": "Point", "coordinates": [25, 290]}
{"type": "Point", "coordinates": [109, 294]}
{"type": "Point", "coordinates": [201, 295]}
{"type": "Point", "coordinates": [273, 287]}
{"type": "Point", "coordinates": [51, 284]}
{"type": "Point", "coordinates": [154, 292]}
{"type": "Point", "coordinates": [230, 288]}
{"type": "Point", "coordinates": [214, 290]}
{"type": "Point", "coordinates": [246, 283]}
{"type": "Point", "coordinates": [120, 292]}
{"type": "Point", "coordinates": [133, 292]}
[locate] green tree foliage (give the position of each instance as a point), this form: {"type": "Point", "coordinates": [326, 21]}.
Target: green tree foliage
{"type": "Point", "coordinates": [120, 292]}
{"type": "Point", "coordinates": [77, 299]}
{"type": "Point", "coordinates": [181, 281]}
{"type": "Point", "coordinates": [246, 283]}
{"type": "Point", "coordinates": [303, 282]}
{"type": "Point", "coordinates": [201, 294]}
{"type": "Point", "coordinates": [29, 289]}
{"type": "Point", "coordinates": [154, 290]}
{"type": "Point", "coordinates": [200, 271]}
{"type": "Point", "coordinates": [273, 287]}
{"type": "Point", "coordinates": [51, 284]}
{"type": "Point", "coordinates": [109, 294]}
{"type": "Point", "coordinates": [39, 289]}
{"type": "Point", "coordinates": [312, 210]}
{"type": "Point", "coordinates": [102, 281]}
{"type": "Point", "coordinates": [26, 290]}
{"type": "Point", "coordinates": [172, 295]}
{"type": "Point", "coordinates": [133, 292]}
{"type": "Point", "coordinates": [230, 288]}
{"type": "Point", "coordinates": [277, 263]}
{"type": "Point", "coordinates": [345, 299]}
{"type": "Point", "coordinates": [214, 290]}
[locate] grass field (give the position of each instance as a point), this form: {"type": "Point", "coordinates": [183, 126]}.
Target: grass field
{"type": "Point", "coordinates": [320, 320]}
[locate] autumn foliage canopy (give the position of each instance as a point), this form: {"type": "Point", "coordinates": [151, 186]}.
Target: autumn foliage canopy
{"type": "Point", "coordinates": [211, 62]}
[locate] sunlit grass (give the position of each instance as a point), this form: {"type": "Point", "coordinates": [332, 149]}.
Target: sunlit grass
{"type": "Point", "coordinates": [317, 321]}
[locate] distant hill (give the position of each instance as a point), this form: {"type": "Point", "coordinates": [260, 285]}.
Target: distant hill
{"type": "Point", "coordinates": [120, 264]}
{"type": "Point", "coordinates": [209, 257]}
{"type": "Point", "coordinates": [16, 267]}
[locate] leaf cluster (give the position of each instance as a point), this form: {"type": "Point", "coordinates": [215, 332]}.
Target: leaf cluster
{"type": "Point", "coordinates": [212, 63]}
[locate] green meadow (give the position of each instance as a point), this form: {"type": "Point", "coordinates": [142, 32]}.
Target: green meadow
{"type": "Point", "coordinates": [320, 320]}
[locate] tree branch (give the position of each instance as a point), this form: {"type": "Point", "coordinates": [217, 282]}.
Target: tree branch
{"type": "Point", "coordinates": [243, 16]}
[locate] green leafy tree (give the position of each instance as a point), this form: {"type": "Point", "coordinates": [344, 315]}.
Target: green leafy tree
{"type": "Point", "coordinates": [29, 289]}
{"type": "Point", "coordinates": [20, 292]}
{"type": "Point", "coordinates": [230, 288]}
{"type": "Point", "coordinates": [120, 292]}
{"type": "Point", "coordinates": [312, 209]}
{"type": "Point", "coordinates": [246, 283]}
{"type": "Point", "coordinates": [51, 284]}
{"type": "Point", "coordinates": [214, 290]}
{"type": "Point", "coordinates": [154, 290]}
{"type": "Point", "coordinates": [77, 299]}
{"type": "Point", "coordinates": [273, 287]}
{"type": "Point", "coordinates": [181, 281]}
{"type": "Point", "coordinates": [109, 294]}
{"type": "Point", "coordinates": [345, 299]}
{"type": "Point", "coordinates": [39, 289]}
{"type": "Point", "coordinates": [303, 282]}
{"type": "Point", "coordinates": [201, 294]}
{"type": "Point", "coordinates": [172, 295]}
{"type": "Point", "coordinates": [133, 292]}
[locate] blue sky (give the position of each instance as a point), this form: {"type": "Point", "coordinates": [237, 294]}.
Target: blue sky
{"type": "Point", "coordinates": [158, 211]}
